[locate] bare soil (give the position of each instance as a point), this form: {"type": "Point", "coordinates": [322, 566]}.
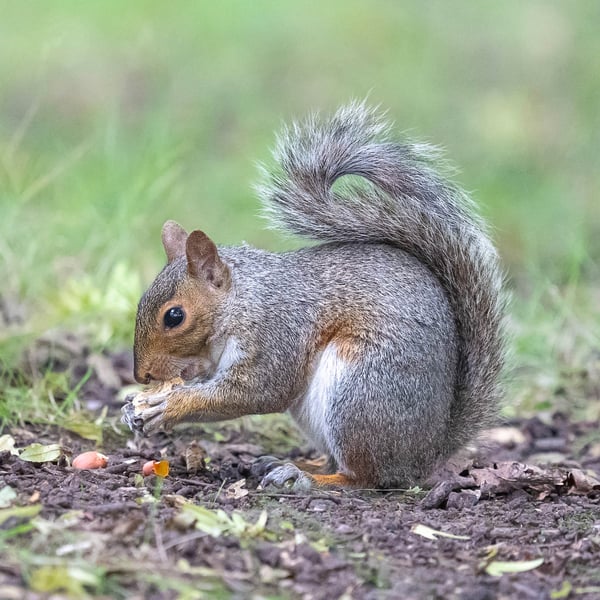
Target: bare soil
{"type": "Point", "coordinates": [529, 492]}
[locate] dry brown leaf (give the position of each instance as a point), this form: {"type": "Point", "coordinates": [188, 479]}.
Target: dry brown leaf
{"type": "Point", "coordinates": [7, 444]}
{"type": "Point", "coordinates": [195, 457]}
{"type": "Point", "coordinates": [507, 476]}
{"type": "Point", "coordinates": [432, 534]}
{"type": "Point", "coordinates": [580, 482]}
{"type": "Point", "coordinates": [236, 490]}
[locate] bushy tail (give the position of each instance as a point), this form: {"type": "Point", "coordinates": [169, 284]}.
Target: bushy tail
{"type": "Point", "coordinates": [407, 204]}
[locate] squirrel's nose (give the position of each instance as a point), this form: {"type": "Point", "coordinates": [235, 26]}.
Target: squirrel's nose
{"type": "Point", "coordinates": [142, 377]}
{"type": "Point", "coordinates": [140, 370]}
{"type": "Point", "coordinates": [145, 379]}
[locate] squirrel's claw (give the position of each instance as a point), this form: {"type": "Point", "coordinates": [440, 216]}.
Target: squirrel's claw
{"type": "Point", "coordinates": [263, 464]}
{"type": "Point", "coordinates": [282, 475]}
{"type": "Point", "coordinates": [144, 413]}
{"type": "Point", "coordinates": [152, 418]}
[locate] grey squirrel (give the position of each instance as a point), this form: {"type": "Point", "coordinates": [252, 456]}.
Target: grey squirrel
{"type": "Point", "coordinates": [384, 342]}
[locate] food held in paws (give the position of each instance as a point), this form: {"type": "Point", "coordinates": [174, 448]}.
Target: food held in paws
{"type": "Point", "coordinates": [140, 401]}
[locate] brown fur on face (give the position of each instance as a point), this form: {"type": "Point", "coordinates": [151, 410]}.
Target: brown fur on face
{"type": "Point", "coordinates": [160, 352]}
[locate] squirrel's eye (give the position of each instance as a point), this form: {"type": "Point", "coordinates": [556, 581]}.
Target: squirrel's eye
{"type": "Point", "coordinates": [174, 317]}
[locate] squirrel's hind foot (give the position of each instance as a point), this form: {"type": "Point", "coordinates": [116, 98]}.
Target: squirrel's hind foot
{"type": "Point", "coordinates": [287, 475]}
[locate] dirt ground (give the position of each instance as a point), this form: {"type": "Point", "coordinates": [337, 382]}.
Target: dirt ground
{"type": "Point", "coordinates": [525, 507]}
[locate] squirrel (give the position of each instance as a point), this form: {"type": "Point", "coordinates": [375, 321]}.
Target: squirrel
{"type": "Point", "coordinates": [384, 341]}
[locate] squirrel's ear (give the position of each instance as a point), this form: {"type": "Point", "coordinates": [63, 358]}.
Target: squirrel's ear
{"type": "Point", "coordinates": [174, 237]}
{"type": "Point", "coordinates": [203, 259]}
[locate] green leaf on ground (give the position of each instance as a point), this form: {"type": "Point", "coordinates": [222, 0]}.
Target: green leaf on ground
{"type": "Point", "coordinates": [71, 579]}
{"type": "Point", "coordinates": [37, 453]}
{"type": "Point", "coordinates": [564, 592]}
{"type": "Point", "coordinates": [498, 568]}
{"type": "Point", "coordinates": [433, 534]}
{"type": "Point", "coordinates": [81, 424]}
{"type": "Point", "coordinates": [217, 522]}
{"type": "Point", "coordinates": [19, 512]}
{"type": "Point", "coordinates": [7, 495]}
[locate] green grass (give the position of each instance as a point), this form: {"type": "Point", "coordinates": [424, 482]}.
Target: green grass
{"type": "Point", "coordinates": [117, 116]}
{"type": "Point", "coordinates": [556, 337]}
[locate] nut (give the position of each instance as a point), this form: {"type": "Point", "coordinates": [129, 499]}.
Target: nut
{"type": "Point", "coordinates": [90, 460]}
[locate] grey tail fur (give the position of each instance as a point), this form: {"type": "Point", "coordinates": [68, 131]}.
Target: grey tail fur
{"type": "Point", "coordinates": [408, 204]}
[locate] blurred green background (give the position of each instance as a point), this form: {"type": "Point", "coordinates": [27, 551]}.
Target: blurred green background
{"type": "Point", "coordinates": [115, 116]}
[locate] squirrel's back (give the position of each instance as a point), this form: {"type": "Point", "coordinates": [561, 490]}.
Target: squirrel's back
{"type": "Point", "coordinates": [404, 202]}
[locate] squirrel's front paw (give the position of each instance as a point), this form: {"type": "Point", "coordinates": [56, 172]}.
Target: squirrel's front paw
{"type": "Point", "coordinates": [281, 475]}
{"type": "Point", "coordinates": [144, 415]}
{"type": "Point", "coordinates": [144, 412]}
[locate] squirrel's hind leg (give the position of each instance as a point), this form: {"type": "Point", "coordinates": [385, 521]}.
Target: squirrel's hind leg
{"type": "Point", "coordinates": [312, 413]}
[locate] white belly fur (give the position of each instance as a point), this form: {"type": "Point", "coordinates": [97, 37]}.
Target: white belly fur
{"type": "Point", "coordinates": [310, 409]}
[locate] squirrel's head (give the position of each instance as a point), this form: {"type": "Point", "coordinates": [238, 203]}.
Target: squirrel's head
{"type": "Point", "coordinates": [176, 315]}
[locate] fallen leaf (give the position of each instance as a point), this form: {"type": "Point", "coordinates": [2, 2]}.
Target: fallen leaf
{"type": "Point", "coordinates": [19, 512]}
{"type": "Point", "coordinates": [213, 522]}
{"type": "Point", "coordinates": [7, 444]}
{"type": "Point", "coordinates": [37, 453]}
{"type": "Point", "coordinates": [320, 545]}
{"type": "Point", "coordinates": [175, 500]}
{"type": "Point", "coordinates": [497, 568]}
{"type": "Point", "coordinates": [271, 575]}
{"type": "Point", "coordinates": [432, 534]}
{"type": "Point", "coordinates": [71, 579]}
{"type": "Point", "coordinates": [217, 522]}
{"type": "Point", "coordinates": [7, 495]}
{"type": "Point", "coordinates": [74, 547]}
{"type": "Point", "coordinates": [236, 490]}
{"type": "Point", "coordinates": [195, 457]}
{"type": "Point", "coordinates": [70, 518]}
{"type": "Point", "coordinates": [580, 482]}
{"type": "Point", "coordinates": [507, 476]}
{"type": "Point", "coordinates": [89, 430]}
{"type": "Point", "coordinates": [564, 592]}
